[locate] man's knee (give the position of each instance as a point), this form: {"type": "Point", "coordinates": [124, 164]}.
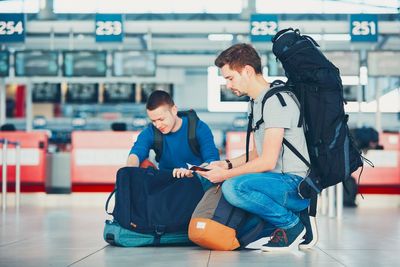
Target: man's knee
{"type": "Point", "coordinates": [231, 192]}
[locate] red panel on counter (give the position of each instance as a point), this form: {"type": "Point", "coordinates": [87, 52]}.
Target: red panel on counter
{"type": "Point", "coordinates": [33, 159]}
{"type": "Point", "coordinates": [97, 156]}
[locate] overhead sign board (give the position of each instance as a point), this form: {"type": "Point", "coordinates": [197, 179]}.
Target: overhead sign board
{"type": "Point", "coordinates": [109, 28]}
{"type": "Point", "coordinates": [263, 27]}
{"type": "Point", "coordinates": [364, 27]}
{"type": "Point", "coordinates": [12, 27]}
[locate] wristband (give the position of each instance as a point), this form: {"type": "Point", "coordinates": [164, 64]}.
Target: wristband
{"type": "Point", "coordinates": [229, 164]}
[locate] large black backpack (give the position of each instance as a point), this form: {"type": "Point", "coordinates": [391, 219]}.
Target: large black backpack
{"type": "Point", "coordinates": [316, 83]}
{"type": "Point", "coordinates": [192, 126]}
{"type": "Point", "coordinates": [151, 207]}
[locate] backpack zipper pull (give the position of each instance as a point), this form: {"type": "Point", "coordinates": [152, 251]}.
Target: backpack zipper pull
{"type": "Point", "coordinates": [133, 225]}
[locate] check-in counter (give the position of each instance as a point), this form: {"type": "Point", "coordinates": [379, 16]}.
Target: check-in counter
{"type": "Point", "coordinates": [236, 144]}
{"type": "Point", "coordinates": [32, 160]}
{"type": "Point", "coordinates": [384, 178]}
{"type": "Point", "coordinates": [97, 156]}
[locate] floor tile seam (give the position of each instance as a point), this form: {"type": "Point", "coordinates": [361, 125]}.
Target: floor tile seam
{"type": "Point", "coordinates": [12, 243]}
{"type": "Point", "coordinates": [332, 257]}
{"type": "Point", "coordinates": [209, 258]}
{"type": "Point", "coordinates": [354, 249]}
{"type": "Point", "coordinates": [87, 256]}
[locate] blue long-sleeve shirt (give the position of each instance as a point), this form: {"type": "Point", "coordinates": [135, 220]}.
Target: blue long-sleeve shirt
{"type": "Point", "coordinates": [176, 150]}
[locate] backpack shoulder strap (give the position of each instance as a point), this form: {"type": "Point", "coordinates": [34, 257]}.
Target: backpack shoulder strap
{"type": "Point", "coordinates": [157, 143]}
{"type": "Point", "coordinates": [296, 152]}
{"type": "Point", "coordinates": [192, 127]}
{"type": "Point", "coordinates": [274, 91]}
{"type": "Point", "coordinates": [249, 129]}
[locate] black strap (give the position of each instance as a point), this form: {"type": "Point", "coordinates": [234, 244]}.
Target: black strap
{"type": "Point", "coordinates": [313, 204]}
{"type": "Point", "coordinates": [249, 129]}
{"type": "Point", "coordinates": [296, 152]}
{"type": "Point", "coordinates": [108, 200]}
{"type": "Point", "coordinates": [271, 92]}
{"type": "Point", "coordinates": [157, 143]}
{"type": "Point", "coordinates": [301, 117]}
{"type": "Point", "coordinates": [160, 229]}
{"type": "Point", "coordinates": [280, 97]}
{"type": "Point", "coordinates": [192, 126]}
{"type": "Point", "coordinates": [281, 32]}
{"type": "Point", "coordinates": [311, 39]}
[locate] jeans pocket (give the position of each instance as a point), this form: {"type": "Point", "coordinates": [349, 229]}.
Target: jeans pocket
{"type": "Point", "coordinates": [294, 181]}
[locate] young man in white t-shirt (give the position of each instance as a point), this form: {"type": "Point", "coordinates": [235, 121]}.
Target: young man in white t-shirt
{"type": "Point", "coordinates": [267, 184]}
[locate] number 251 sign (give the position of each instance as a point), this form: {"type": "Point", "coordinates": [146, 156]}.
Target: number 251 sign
{"type": "Point", "coordinates": [364, 28]}
{"type": "Point", "coordinates": [263, 27]}
{"type": "Point", "coordinates": [12, 27]}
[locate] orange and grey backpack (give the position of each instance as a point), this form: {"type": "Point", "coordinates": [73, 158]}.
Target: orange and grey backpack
{"type": "Point", "coordinates": [217, 225]}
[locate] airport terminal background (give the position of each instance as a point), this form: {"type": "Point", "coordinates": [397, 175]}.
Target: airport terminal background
{"type": "Point", "coordinates": [74, 80]}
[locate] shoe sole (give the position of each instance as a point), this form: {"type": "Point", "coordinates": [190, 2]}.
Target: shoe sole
{"type": "Point", "coordinates": [294, 244]}
{"type": "Point", "coordinates": [258, 243]}
{"type": "Point", "coordinates": [314, 241]}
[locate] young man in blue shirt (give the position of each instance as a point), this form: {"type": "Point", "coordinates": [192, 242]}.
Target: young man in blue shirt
{"type": "Point", "coordinates": [176, 151]}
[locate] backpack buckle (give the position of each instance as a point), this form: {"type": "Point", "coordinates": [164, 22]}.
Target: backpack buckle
{"type": "Point", "coordinates": [159, 229]}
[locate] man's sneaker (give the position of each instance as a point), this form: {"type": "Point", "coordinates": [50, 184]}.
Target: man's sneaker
{"type": "Point", "coordinates": [311, 236]}
{"type": "Point", "coordinates": [285, 239]}
{"type": "Point", "coordinates": [258, 243]}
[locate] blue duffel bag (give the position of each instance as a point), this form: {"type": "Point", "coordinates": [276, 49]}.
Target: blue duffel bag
{"type": "Point", "coordinates": [152, 208]}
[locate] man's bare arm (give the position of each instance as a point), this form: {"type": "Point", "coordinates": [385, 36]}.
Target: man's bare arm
{"type": "Point", "coordinates": [133, 161]}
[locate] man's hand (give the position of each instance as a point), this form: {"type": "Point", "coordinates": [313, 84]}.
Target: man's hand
{"type": "Point", "coordinates": [218, 164]}
{"type": "Point", "coordinates": [181, 172]}
{"type": "Point", "coordinates": [215, 175]}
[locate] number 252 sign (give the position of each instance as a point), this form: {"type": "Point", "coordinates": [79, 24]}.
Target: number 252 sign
{"type": "Point", "coordinates": [364, 28]}
{"type": "Point", "coordinates": [263, 27]}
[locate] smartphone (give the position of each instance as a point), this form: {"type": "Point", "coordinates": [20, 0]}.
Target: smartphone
{"type": "Point", "coordinates": [196, 168]}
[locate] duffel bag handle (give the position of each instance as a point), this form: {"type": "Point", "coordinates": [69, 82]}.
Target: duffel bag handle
{"type": "Point", "coordinates": [108, 200]}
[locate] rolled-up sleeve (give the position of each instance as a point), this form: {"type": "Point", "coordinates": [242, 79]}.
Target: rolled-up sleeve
{"type": "Point", "coordinates": [143, 144]}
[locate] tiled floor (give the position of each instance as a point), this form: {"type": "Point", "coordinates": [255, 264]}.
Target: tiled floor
{"type": "Point", "coordinates": [51, 230]}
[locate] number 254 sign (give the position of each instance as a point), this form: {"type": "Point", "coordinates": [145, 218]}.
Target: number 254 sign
{"type": "Point", "coordinates": [12, 27]}
{"type": "Point", "coordinates": [364, 28]}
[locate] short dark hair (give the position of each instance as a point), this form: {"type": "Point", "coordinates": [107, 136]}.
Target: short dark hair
{"type": "Point", "coordinates": [159, 98]}
{"type": "Point", "coordinates": [239, 55]}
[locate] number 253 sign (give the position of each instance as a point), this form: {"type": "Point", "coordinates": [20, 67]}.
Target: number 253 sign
{"type": "Point", "coordinates": [109, 28]}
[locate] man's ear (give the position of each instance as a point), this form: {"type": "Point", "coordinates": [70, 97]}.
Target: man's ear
{"type": "Point", "coordinates": [174, 110]}
{"type": "Point", "coordinates": [249, 70]}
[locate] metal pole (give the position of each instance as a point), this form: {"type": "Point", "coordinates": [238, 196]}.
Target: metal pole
{"type": "Point", "coordinates": [17, 174]}
{"type": "Point", "coordinates": [4, 176]}
{"type": "Point", "coordinates": [339, 200]}
{"type": "Point", "coordinates": [3, 102]}
{"type": "Point", "coordinates": [331, 202]}
{"type": "Point", "coordinates": [28, 106]}
{"type": "Point", "coordinates": [378, 115]}
{"type": "Point", "coordinates": [324, 200]}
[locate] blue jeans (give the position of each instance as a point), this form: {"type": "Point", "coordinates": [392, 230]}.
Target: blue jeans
{"type": "Point", "coordinates": [272, 196]}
